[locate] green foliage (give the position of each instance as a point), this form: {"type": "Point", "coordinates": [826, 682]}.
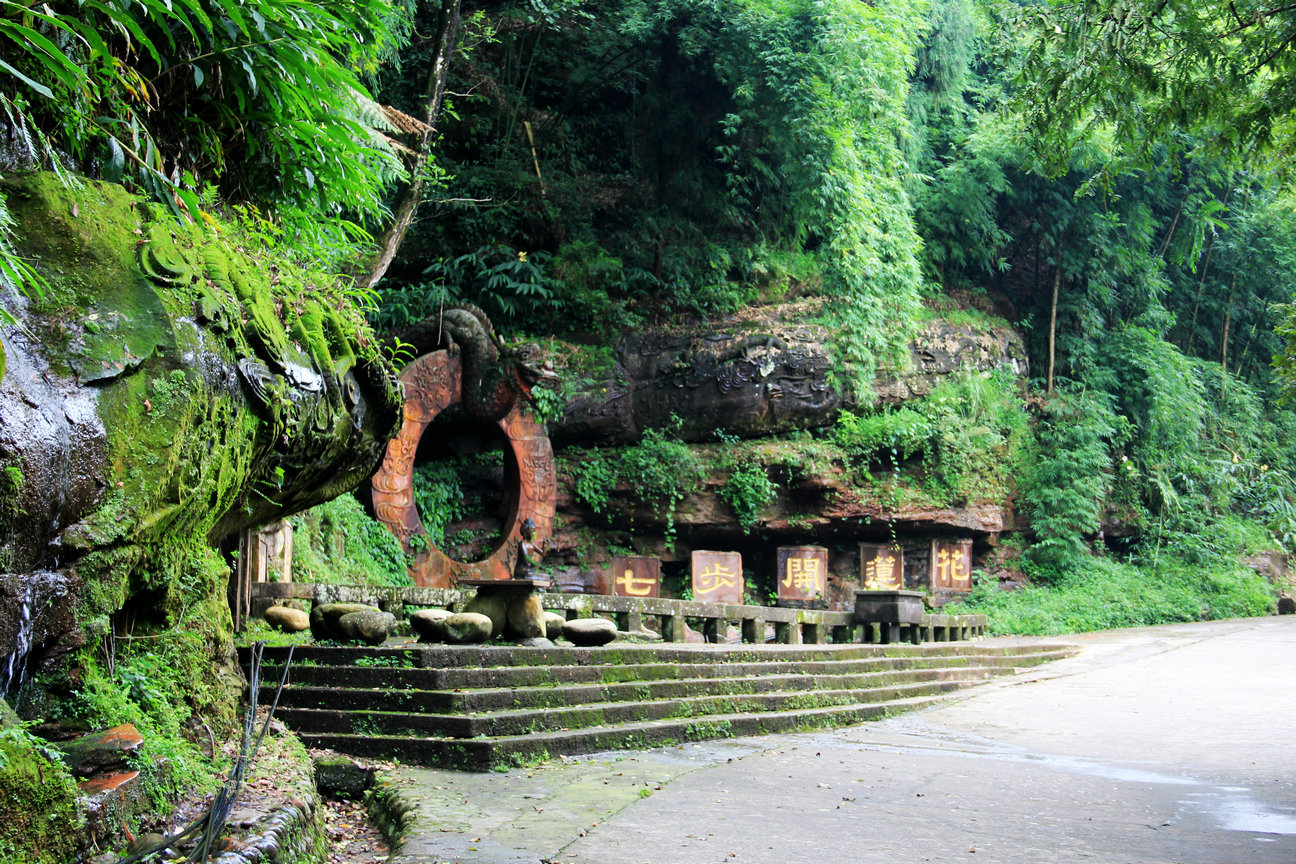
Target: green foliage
{"type": "Point", "coordinates": [658, 472]}
{"type": "Point", "coordinates": [1182, 584]}
{"type": "Point", "coordinates": [969, 432]}
{"type": "Point", "coordinates": [1067, 485]}
{"type": "Point", "coordinates": [262, 98]}
{"type": "Point", "coordinates": [596, 480]}
{"type": "Point", "coordinates": [449, 490]}
{"type": "Point", "coordinates": [695, 156]}
{"type": "Point", "coordinates": [337, 543]}
{"type": "Point", "coordinates": [747, 488]}
{"type": "Point", "coordinates": [439, 498]}
{"type": "Point", "coordinates": [167, 689]}
{"type": "Point", "coordinates": [1153, 69]}
{"type": "Point", "coordinates": [897, 434]}
{"type": "Point", "coordinates": [509, 284]}
{"type": "Point", "coordinates": [747, 491]}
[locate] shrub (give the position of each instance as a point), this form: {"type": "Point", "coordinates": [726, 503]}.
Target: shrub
{"type": "Point", "coordinates": [658, 472]}
{"type": "Point", "coordinates": [747, 491]}
{"type": "Point", "coordinates": [1099, 593]}
{"type": "Point", "coordinates": [1066, 487]}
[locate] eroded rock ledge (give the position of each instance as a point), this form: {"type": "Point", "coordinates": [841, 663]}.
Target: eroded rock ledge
{"type": "Point", "coordinates": [764, 374]}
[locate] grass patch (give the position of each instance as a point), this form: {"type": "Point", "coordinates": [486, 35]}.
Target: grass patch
{"type": "Point", "coordinates": [1101, 593]}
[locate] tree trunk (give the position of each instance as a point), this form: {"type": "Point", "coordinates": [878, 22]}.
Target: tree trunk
{"type": "Point", "coordinates": [1228, 319]}
{"type": "Point", "coordinates": [1057, 282]}
{"type": "Point", "coordinates": [410, 194]}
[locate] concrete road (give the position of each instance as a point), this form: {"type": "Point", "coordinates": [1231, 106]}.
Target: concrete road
{"type": "Point", "coordinates": [1164, 744]}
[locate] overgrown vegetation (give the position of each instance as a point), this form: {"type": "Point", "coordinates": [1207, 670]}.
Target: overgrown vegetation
{"type": "Point", "coordinates": [658, 473]}
{"type": "Point", "coordinates": [968, 435]}
{"type": "Point", "coordinates": [38, 810]}
{"type": "Point", "coordinates": [687, 156]}
{"type": "Point", "coordinates": [337, 543]}
{"type": "Point", "coordinates": [747, 488]}
{"type": "Point", "coordinates": [1188, 579]}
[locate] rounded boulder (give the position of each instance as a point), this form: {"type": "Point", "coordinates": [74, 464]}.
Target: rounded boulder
{"type": "Point", "coordinates": [553, 625]}
{"type": "Point", "coordinates": [369, 626]}
{"type": "Point", "coordinates": [429, 624]}
{"type": "Point", "coordinates": [589, 632]}
{"type": "Point", "coordinates": [324, 617]}
{"type": "Point", "coordinates": [494, 607]}
{"type": "Point", "coordinates": [467, 628]}
{"type": "Point", "coordinates": [287, 620]}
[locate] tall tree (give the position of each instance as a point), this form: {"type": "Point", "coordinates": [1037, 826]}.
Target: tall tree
{"type": "Point", "coordinates": [409, 194]}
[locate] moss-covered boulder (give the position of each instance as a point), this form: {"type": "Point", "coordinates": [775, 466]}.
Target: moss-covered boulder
{"type": "Point", "coordinates": [171, 385]}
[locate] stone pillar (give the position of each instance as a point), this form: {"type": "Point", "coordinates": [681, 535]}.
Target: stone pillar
{"type": "Point", "coordinates": [717, 577]}
{"type": "Point", "coordinates": [636, 576]}
{"type": "Point", "coordinates": [802, 573]}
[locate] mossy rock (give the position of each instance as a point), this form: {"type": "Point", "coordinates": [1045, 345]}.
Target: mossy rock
{"type": "Point", "coordinates": [38, 810]}
{"type": "Point", "coordinates": [183, 383]}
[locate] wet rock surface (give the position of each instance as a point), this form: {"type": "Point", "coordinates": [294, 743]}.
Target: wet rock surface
{"type": "Point", "coordinates": [100, 751]}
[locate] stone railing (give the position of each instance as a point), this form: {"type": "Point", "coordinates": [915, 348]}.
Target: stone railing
{"type": "Point", "coordinates": [790, 626]}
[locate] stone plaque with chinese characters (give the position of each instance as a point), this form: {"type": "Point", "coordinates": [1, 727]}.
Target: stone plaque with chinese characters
{"type": "Point", "coordinates": [717, 577]}
{"type": "Point", "coordinates": [802, 572]}
{"type": "Point", "coordinates": [636, 576]}
{"type": "Point", "coordinates": [951, 565]}
{"type": "Point", "coordinates": [881, 567]}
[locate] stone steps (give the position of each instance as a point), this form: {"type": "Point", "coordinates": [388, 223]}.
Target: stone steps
{"type": "Point", "coordinates": [378, 674]}
{"type": "Point", "coordinates": [379, 698]}
{"type": "Point", "coordinates": [483, 754]}
{"type": "Point", "coordinates": [484, 706]}
{"type": "Point", "coordinates": [519, 721]}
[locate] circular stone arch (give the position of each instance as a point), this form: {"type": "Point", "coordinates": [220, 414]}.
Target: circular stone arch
{"type": "Point", "coordinates": [433, 383]}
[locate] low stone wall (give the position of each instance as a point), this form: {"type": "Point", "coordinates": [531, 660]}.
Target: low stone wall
{"type": "Point", "coordinates": [791, 626]}
{"type": "Point", "coordinates": [290, 834]}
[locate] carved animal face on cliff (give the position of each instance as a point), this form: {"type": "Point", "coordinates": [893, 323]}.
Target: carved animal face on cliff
{"type": "Point", "coordinates": [530, 368]}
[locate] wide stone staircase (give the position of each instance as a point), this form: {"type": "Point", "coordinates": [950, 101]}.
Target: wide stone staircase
{"type": "Point", "coordinates": [483, 707]}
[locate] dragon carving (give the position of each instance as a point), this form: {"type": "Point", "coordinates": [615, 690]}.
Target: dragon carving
{"type": "Point", "coordinates": [495, 375]}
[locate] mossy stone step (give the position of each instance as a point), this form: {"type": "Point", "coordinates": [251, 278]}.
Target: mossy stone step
{"type": "Point", "coordinates": [468, 707]}
{"type": "Point", "coordinates": [399, 652]}
{"type": "Point", "coordinates": [495, 699]}
{"type": "Point", "coordinates": [383, 677]}
{"type": "Point", "coordinates": [522, 721]}
{"type": "Point", "coordinates": [483, 754]}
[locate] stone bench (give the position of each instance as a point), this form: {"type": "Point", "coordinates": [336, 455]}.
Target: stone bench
{"type": "Point", "coordinates": [790, 626]}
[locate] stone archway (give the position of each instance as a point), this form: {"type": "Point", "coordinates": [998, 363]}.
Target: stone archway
{"type": "Point", "coordinates": [433, 383]}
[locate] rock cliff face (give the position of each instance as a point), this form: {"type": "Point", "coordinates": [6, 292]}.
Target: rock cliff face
{"type": "Point", "coordinates": [165, 390]}
{"type": "Point", "coordinates": [762, 375]}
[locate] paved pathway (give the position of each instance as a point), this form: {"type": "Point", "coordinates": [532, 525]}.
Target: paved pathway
{"type": "Point", "coordinates": [1164, 744]}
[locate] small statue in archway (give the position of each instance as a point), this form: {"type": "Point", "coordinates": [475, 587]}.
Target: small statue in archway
{"type": "Point", "coordinates": [529, 552]}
